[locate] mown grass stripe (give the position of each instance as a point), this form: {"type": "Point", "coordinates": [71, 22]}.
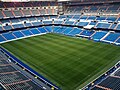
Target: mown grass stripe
{"type": "Point", "coordinates": [66, 61]}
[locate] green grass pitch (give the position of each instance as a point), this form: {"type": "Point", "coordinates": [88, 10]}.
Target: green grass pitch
{"type": "Point", "coordinates": [68, 62]}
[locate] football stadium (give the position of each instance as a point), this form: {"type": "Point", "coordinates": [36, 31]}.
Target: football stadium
{"type": "Point", "coordinates": [59, 44]}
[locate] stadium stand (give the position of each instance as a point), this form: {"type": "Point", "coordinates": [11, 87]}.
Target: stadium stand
{"type": "Point", "coordinates": [91, 8]}
{"type": "Point", "coordinates": [74, 32]}
{"type": "Point", "coordinates": [8, 36]}
{"type": "Point", "coordinates": [86, 33]}
{"type": "Point", "coordinates": [14, 75]}
{"type": "Point", "coordinates": [18, 34]}
{"type": "Point", "coordinates": [13, 78]}
{"type": "Point", "coordinates": [33, 18]}
{"type": "Point", "coordinates": [98, 35]}
{"type": "Point", "coordinates": [112, 37]}
{"type": "Point", "coordinates": [110, 80]}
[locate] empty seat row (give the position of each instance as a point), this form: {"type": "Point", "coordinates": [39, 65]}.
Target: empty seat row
{"type": "Point", "coordinates": [111, 83]}
{"type": "Point", "coordinates": [94, 35]}
{"type": "Point", "coordinates": [22, 13]}
{"type": "Point", "coordinates": [13, 78]}
{"type": "Point", "coordinates": [93, 8]}
{"type": "Point", "coordinates": [23, 33]}
{"type": "Point", "coordinates": [117, 73]}
{"type": "Point", "coordinates": [26, 4]}
{"type": "Point", "coordinates": [10, 24]}
{"type": "Point", "coordinates": [103, 36]}
{"type": "Point", "coordinates": [112, 37]}
{"type": "Point", "coordinates": [7, 68]}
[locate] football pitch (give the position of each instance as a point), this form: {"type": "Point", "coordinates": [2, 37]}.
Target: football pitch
{"type": "Point", "coordinates": [68, 62]}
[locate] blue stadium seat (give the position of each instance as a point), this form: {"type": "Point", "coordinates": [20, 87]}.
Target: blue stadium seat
{"type": "Point", "coordinates": [42, 30]}
{"type": "Point", "coordinates": [5, 21]}
{"type": "Point", "coordinates": [7, 27]}
{"type": "Point", "coordinates": [76, 17]}
{"type": "Point", "coordinates": [75, 31]}
{"type": "Point", "coordinates": [23, 19]}
{"type": "Point", "coordinates": [91, 18]}
{"type": "Point", "coordinates": [61, 29]}
{"type": "Point", "coordinates": [34, 31]}
{"type": "Point", "coordinates": [67, 30]}
{"type": "Point", "coordinates": [56, 28]}
{"type": "Point", "coordinates": [49, 28]}
{"type": "Point", "coordinates": [84, 17]}
{"type": "Point", "coordinates": [26, 32]}
{"type": "Point", "coordinates": [18, 34]}
{"type": "Point", "coordinates": [69, 16]}
{"type": "Point", "coordinates": [113, 26]}
{"type": "Point", "coordinates": [47, 22]}
{"type": "Point", "coordinates": [36, 23]}
{"type": "Point", "coordinates": [27, 24]}
{"type": "Point", "coordinates": [46, 17]}
{"type": "Point", "coordinates": [118, 27]}
{"type": "Point", "coordinates": [14, 20]}
{"type": "Point", "coordinates": [113, 19]}
{"type": "Point", "coordinates": [2, 39]}
{"type": "Point", "coordinates": [113, 8]}
{"type": "Point", "coordinates": [118, 19]}
{"type": "Point", "coordinates": [8, 36]}
{"type": "Point", "coordinates": [62, 16]}
{"type": "Point", "coordinates": [94, 8]}
{"type": "Point", "coordinates": [86, 33]}
{"type": "Point", "coordinates": [98, 35]}
{"type": "Point", "coordinates": [69, 22]}
{"type": "Point", "coordinates": [39, 18]}
{"type": "Point", "coordinates": [1, 29]}
{"type": "Point", "coordinates": [112, 37]}
{"type": "Point", "coordinates": [118, 41]}
{"type": "Point", "coordinates": [83, 23]}
{"type": "Point", "coordinates": [103, 25]}
{"type": "Point", "coordinates": [18, 13]}
{"type": "Point", "coordinates": [8, 14]}
{"type": "Point", "coordinates": [32, 18]}
{"type": "Point", "coordinates": [92, 23]}
{"type": "Point", "coordinates": [53, 17]}
{"type": "Point", "coordinates": [101, 18]}
{"type": "Point", "coordinates": [18, 25]}
{"type": "Point", "coordinates": [58, 22]}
